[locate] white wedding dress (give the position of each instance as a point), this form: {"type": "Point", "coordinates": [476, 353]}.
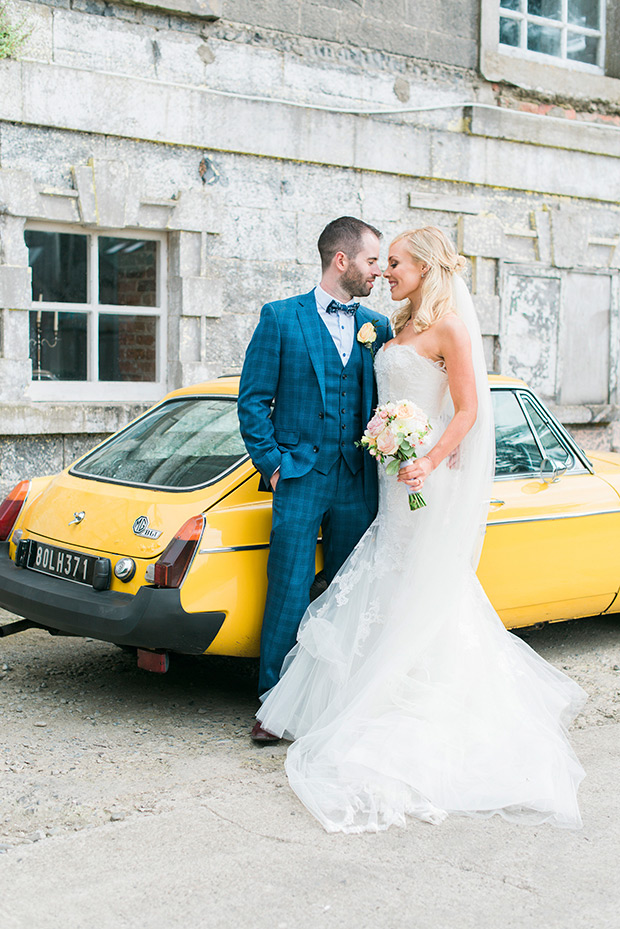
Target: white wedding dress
{"type": "Point", "coordinates": [405, 694]}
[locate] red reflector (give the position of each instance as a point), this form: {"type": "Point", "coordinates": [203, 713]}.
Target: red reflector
{"type": "Point", "coordinates": [152, 661]}
{"type": "Point", "coordinates": [10, 507]}
{"type": "Point", "coordinates": [170, 568]}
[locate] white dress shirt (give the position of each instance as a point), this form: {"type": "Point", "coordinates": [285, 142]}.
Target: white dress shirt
{"type": "Point", "coordinates": [341, 326]}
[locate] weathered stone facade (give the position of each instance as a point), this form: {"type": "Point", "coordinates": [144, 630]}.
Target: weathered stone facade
{"type": "Point", "coordinates": [236, 130]}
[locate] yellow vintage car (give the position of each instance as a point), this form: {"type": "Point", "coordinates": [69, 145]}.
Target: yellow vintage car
{"type": "Point", "coordinates": [158, 538]}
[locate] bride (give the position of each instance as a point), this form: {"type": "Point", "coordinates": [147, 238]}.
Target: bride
{"type": "Point", "coordinates": [405, 694]}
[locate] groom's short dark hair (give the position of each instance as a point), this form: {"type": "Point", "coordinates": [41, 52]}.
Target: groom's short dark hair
{"type": "Point", "coordinates": [343, 235]}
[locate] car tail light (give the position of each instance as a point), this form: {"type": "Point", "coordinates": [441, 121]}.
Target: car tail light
{"type": "Point", "coordinates": [10, 508]}
{"type": "Point", "coordinates": [170, 568]}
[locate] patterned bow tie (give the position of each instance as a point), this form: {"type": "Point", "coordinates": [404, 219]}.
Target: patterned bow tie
{"type": "Point", "coordinates": [349, 308]}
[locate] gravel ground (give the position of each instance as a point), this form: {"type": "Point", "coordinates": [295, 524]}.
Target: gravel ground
{"type": "Point", "coordinates": [88, 737]}
{"type": "Point", "coordinates": [95, 747]}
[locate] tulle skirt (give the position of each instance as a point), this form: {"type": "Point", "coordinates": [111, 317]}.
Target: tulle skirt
{"type": "Point", "coordinates": [406, 696]}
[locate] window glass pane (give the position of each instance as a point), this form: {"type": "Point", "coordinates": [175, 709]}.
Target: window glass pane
{"type": "Point", "coordinates": [550, 442]}
{"type": "Point", "coordinates": [127, 272]}
{"type": "Point", "coordinates": [183, 443]}
{"type": "Point", "coordinates": [543, 39]}
{"type": "Point", "coordinates": [509, 32]}
{"type": "Point", "coordinates": [510, 4]}
{"type": "Point", "coordinates": [127, 348]}
{"type": "Point", "coordinates": [58, 346]}
{"type": "Point", "coordinates": [582, 48]}
{"type": "Point", "coordinates": [584, 13]}
{"type": "Point", "coordinates": [59, 266]}
{"type": "Point", "coordinates": [550, 9]}
{"type": "Point", "coordinates": [516, 451]}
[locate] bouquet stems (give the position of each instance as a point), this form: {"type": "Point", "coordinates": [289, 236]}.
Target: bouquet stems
{"type": "Point", "coordinates": [415, 500]}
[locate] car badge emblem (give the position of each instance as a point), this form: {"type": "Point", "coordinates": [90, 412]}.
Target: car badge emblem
{"type": "Point", "coordinates": [141, 527]}
{"type": "Point", "coordinates": [77, 518]}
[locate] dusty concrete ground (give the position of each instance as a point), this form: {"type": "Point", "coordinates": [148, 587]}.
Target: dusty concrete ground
{"type": "Point", "coordinates": [130, 799]}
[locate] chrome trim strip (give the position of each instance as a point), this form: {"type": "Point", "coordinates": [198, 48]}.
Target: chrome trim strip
{"type": "Point", "coordinates": [556, 426]}
{"type": "Point", "coordinates": [164, 487]}
{"type": "Point", "coordinates": [240, 548]}
{"type": "Point", "coordinates": [233, 548]}
{"type": "Point", "coordinates": [541, 519]}
{"type": "Point", "coordinates": [535, 475]}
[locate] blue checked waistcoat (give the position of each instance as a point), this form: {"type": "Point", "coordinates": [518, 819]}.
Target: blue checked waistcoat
{"type": "Point", "coordinates": [343, 406]}
{"type": "Point", "coordinates": [288, 363]}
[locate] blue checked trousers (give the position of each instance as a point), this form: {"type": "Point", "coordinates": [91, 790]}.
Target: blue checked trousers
{"type": "Point", "coordinates": [301, 505]}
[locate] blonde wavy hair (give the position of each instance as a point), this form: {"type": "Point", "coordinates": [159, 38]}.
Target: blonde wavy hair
{"type": "Point", "coordinates": [432, 247]}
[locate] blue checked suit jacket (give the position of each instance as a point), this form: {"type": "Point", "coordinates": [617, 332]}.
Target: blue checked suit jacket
{"type": "Point", "coordinates": [285, 365]}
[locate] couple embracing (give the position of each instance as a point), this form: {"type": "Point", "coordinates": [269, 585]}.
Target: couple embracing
{"type": "Point", "coordinates": [400, 687]}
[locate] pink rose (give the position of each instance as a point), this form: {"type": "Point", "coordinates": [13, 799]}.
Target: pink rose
{"type": "Point", "coordinates": [375, 425]}
{"type": "Point", "coordinates": [405, 410]}
{"type": "Point", "coordinates": [387, 442]}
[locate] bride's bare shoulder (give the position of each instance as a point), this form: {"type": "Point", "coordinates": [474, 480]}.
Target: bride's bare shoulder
{"type": "Point", "coordinates": [386, 344]}
{"type": "Point", "coordinates": [449, 323]}
{"type": "Point", "coordinates": [451, 327]}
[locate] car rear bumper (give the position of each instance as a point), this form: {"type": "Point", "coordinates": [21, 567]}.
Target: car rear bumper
{"type": "Point", "coordinates": [153, 618]}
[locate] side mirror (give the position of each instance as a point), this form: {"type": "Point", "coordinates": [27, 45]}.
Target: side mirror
{"type": "Point", "coordinates": [551, 471]}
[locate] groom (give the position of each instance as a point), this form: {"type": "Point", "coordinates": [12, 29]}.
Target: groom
{"type": "Point", "coordinates": [307, 358]}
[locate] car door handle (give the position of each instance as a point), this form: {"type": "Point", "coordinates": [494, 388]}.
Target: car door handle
{"type": "Point", "coordinates": [496, 503]}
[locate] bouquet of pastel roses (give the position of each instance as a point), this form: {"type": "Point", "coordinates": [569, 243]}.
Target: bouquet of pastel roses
{"type": "Point", "coordinates": [394, 432]}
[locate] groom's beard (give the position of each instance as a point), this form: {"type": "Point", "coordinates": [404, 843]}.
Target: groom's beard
{"type": "Point", "coordinates": [355, 283]}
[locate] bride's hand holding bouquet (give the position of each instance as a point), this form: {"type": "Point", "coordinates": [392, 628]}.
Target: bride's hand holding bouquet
{"type": "Point", "coordinates": [394, 432]}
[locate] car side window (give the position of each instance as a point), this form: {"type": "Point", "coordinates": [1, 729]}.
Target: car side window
{"type": "Point", "coordinates": [554, 449]}
{"type": "Point", "coordinates": [516, 451]}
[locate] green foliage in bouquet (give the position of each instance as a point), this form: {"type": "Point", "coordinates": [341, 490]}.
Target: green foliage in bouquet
{"type": "Point", "coordinates": [404, 453]}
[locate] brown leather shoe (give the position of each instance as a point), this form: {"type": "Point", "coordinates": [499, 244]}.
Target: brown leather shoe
{"type": "Point", "coordinates": [262, 736]}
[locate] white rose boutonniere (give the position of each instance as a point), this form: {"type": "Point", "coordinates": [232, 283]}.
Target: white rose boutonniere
{"type": "Point", "coordinates": [368, 336]}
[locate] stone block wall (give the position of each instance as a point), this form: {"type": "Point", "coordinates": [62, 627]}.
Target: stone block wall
{"type": "Point", "coordinates": [235, 131]}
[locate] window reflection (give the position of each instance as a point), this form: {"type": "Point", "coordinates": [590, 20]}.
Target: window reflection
{"type": "Point", "coordinates": [184, 443]}
{"type": "Point", "coordinates": [127, 347]}
{"type": "Point", "coordinates": [516, 451]}
{"type": "Point", "coordinates": [544, 39]}
{"type": "Point", "coordinates": [584, 13]}
{"type": "Point", "coordinates": [58, 346]}
{"type": "Point", "coordinates": [550, 9]}
{"type": "Point", "coordinates": [509, 32]}
{"type": "Point", "coordinates": [554, 449]}
{"type": "Point", "coordinates": [127, 271]}
{"type": "Point", "coordinates": [59, 266]}
{"type": "Point", "coordinates": [582, 48]}
{"type": "Point", "coordinates": [571, 30]}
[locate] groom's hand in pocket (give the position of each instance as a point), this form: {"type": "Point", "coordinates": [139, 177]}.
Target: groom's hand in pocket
{"type": "Point", "coordinates": [275, 477]}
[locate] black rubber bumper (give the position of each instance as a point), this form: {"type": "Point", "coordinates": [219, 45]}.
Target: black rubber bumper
{"type": "Point", "coordinates": [153, 618]}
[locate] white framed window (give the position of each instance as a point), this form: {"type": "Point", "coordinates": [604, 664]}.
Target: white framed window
{"type": "Point", "coordinates": [97, 327]}
{"type": "Point", "coordinates": [567, 32]}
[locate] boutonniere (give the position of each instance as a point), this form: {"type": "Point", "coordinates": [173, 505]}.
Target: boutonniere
{"type": "Point", "coordinates": [368, 336]}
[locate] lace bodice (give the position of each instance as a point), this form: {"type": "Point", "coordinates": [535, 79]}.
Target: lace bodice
{"type": "Point", "coordinates": [403, 374]}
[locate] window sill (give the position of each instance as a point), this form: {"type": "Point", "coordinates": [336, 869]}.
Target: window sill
{"type": "Point", "coordinates": [202, 9]}
{"type": "Point", "coordinates": [58, 418]}
{"type": "Point", "coordinates": [584, 414]}
{"type": "Point", "coordinates": [101, 393]}
{"type": "Point", "coordinates": [551, 79]}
